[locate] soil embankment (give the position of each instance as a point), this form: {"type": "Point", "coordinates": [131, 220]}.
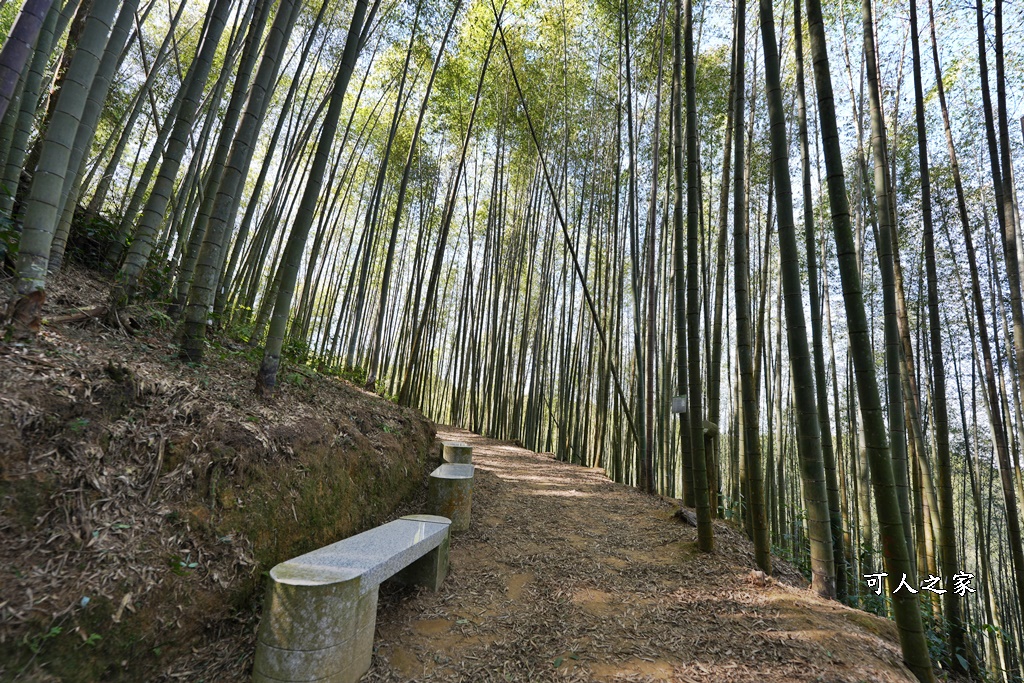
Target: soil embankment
{"type": "Point", "coordinates": [142, 498]}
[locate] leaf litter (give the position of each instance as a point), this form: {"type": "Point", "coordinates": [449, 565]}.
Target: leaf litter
{"type": "Point", "coordinates": [118, 462]}
{"type": "Point", "coordinates": [567, 576]}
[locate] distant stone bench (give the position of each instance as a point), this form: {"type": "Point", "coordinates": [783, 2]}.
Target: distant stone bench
{"type": "Point", "coordinates": [450, 494]}
{"type": "Point", "coordinates": [457, 452]}
{"type": "Point", "coordinates": [321, 608]}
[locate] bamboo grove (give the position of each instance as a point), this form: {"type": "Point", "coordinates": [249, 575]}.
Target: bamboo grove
{"type": "Point", "coordinates": [762, 257]}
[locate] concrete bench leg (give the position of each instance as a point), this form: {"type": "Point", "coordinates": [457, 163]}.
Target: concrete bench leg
{"type": "Point", "coordinates": [428, 571]}
{"type": "Point", "coordinates": [315, 632]}
{"type": "Point", "coordinates": [451, 498]}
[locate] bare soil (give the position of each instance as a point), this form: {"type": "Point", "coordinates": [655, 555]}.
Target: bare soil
{"type": "Point", "coordinates": [567, 576]}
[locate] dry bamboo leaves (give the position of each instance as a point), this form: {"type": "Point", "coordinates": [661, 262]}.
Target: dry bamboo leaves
{"type": "Point", "coordinates": [604, 585]}
{"type": "Point", "coordinates": [110, 454]}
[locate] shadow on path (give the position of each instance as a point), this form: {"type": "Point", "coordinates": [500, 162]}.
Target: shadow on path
{"type": "Point", "coordinates": [567, 576]}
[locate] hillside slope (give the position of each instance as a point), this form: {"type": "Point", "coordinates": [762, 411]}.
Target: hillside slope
{"type": "Point", "coordinates": [141, 498]}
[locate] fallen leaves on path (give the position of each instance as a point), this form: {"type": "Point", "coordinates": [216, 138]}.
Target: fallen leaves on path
{"type": "Point", "coordinates": [566, 576]}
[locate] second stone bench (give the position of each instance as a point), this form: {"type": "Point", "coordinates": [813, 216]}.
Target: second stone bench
{"type": "Point", "coordinates": [457, 452]}
{"type": "Point", "coordinates": [450, 494]}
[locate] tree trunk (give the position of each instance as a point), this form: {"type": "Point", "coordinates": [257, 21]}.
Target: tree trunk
{"type": "Point", "coordinates": [940, 429]}
{"type": "Point", "coordinates": [41, 212]}
{"type": "Point", "coordinates": [751, 439]}
{"type": "Point", "coordinates": [375, 345]}
{"type": "Point", "coordinates": [27, 108]}
{"type": "Point", "coordinates": [18, 47]}
{"type": "Point", "coordinates": [812, 467]}
{"type": "Point", "coordinates": [153, 213]}
{"type": "Point", "coordinates": [886, 236]}
{"type": "Point", "coordinates": [405, 395]}
{"type": "Point", "coordinates": [87, 129]}
{"type": "Point", "coordinates": [215, 172]}
{"type": "Point", "coordinates": [695, 407]}
{"type": "Point", "coordinates": [209, 261]}
{"type": "Point", "coordinates": [266, 379]}
{"type": "Point", "coordinates": [827, 452]}
{"type": "Point", "coordinates": [898, 563]}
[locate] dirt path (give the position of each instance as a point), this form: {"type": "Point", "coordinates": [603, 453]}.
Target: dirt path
{"type": "Point", "coordinates": [566, 576]}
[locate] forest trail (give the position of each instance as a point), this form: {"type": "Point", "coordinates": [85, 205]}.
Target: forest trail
{"type": "Point", "coordinates": [567, 576]}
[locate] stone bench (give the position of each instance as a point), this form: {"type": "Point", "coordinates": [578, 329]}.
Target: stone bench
{"type": "Point", "coordinates": [457, 452]}
{"type": "Point", "coordinates": [321, 608]}
{"type": "Point", "coordinates": [450, 494]}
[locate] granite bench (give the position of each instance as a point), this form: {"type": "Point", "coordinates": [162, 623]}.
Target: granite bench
{"type": "Point", "coordinates": [457, 452]}
{"type": "Point", "coordinates": [321, 608]}
{"type": "Point", "coordinates": [450, 494]}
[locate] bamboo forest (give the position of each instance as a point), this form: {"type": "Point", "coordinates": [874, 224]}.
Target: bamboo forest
{"type": "Point", "coordinates": [758, 262]}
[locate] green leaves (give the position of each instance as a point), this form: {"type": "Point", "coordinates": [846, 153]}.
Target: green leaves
{"type": "Point", "coordinates": [181, 566]}
{"type": "Point", "coordinates": [35, 643]}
